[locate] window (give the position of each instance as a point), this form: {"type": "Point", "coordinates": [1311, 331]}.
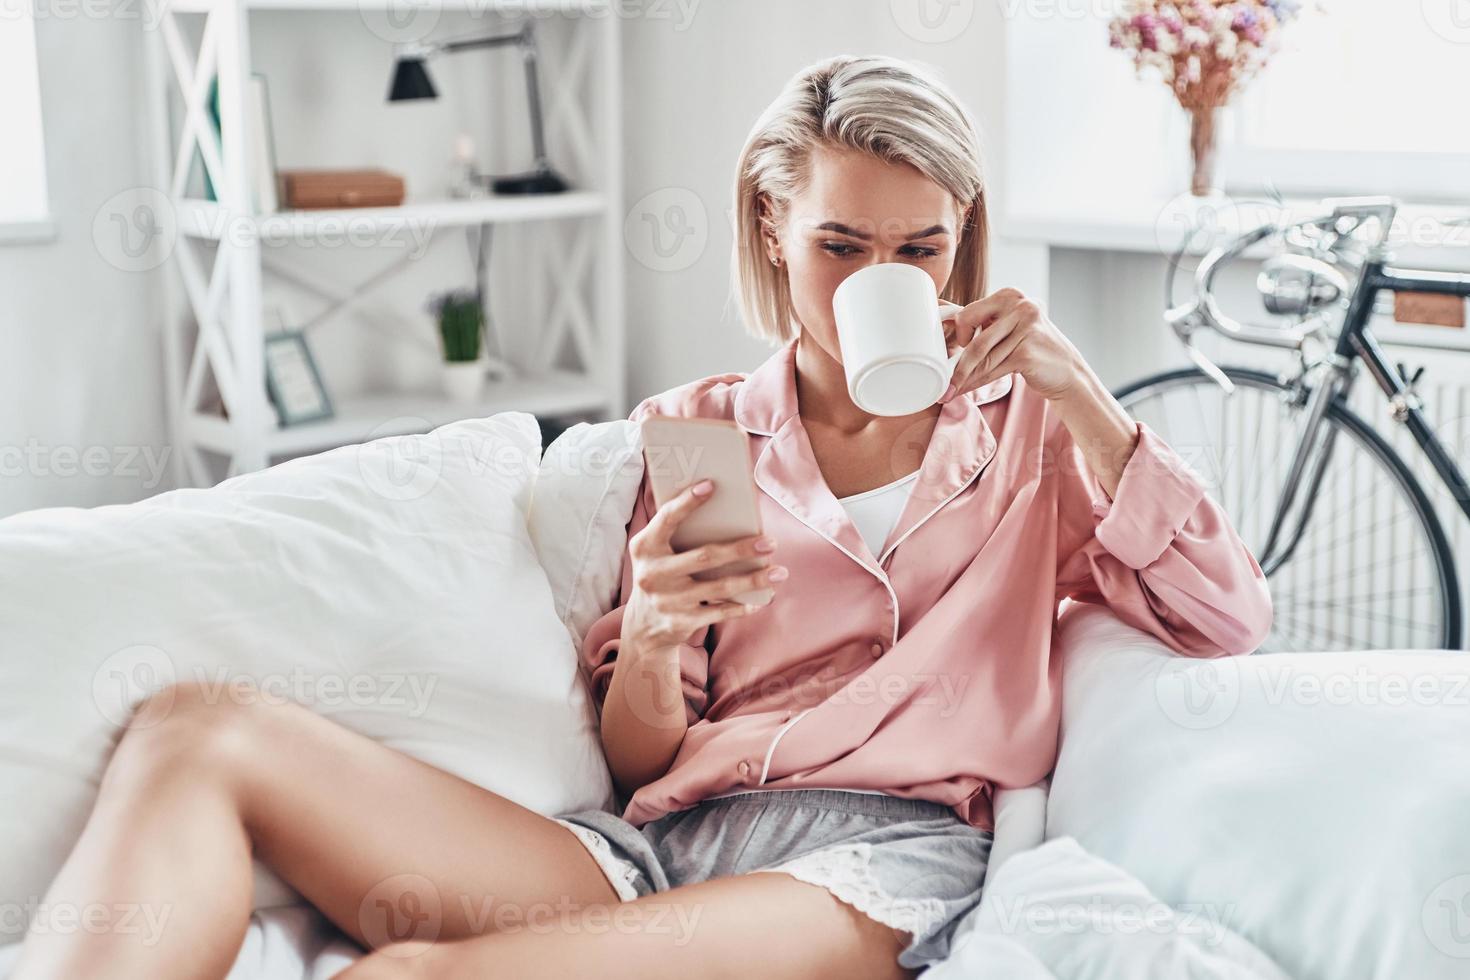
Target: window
{"type": "Point", "coordinates": [1363, 97]}
{"type": "Point", "coordinates": [23, 201]}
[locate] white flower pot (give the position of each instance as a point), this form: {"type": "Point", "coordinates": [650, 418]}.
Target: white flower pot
{"type": "Point", "coordinates": [463, 381]}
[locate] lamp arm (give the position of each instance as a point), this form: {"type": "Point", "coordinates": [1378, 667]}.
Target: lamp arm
{"type": "Point", "coordinates": [523, 39]}
{"type": "Point", "coordinates": [521, 36]}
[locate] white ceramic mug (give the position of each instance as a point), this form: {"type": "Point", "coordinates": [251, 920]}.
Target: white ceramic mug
{"type": "Point", "coordinates": [890, 326]}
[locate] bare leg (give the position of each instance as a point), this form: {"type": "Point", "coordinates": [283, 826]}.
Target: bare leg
{"type": "Point", "coordinates": [385, 846]}
{"type": "Point", "coordinates": [764, 924]}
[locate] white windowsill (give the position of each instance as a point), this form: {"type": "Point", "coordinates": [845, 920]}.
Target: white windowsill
{"type": "Point", "coordinates": [1159, 226]}
{"type": "Point", "coordinates": [27, 232]}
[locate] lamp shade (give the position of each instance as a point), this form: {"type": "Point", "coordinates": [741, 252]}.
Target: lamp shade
{"type": "Point", "coordinates": [411, 81]}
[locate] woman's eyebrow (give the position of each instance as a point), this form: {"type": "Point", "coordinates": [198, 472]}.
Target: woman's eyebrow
{"type": "Point", "coordinates": [842, 229]}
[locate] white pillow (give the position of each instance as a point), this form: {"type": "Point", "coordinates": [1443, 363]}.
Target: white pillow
{"type": "Point", "coordinates": [1320, 799]}
{"type": "Point", "coordinates": [405, 561]}
{"type": "Point", "coordinates": [580, 507]}
{"type": "Point", "coordinates": [1057, 911]}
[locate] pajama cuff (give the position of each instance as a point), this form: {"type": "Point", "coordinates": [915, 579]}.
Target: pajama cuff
{"type": "Point", "coordinates": [1156, 495]}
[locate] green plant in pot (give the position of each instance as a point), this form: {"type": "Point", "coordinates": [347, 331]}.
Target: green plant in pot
{"type": "Point", "coordinates": [461, 325]}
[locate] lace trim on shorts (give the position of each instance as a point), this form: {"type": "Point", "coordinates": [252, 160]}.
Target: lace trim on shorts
{"type": "Point", "coordinates": [843, 869]}
{"type": "Point", "coordinates": [619, 873]}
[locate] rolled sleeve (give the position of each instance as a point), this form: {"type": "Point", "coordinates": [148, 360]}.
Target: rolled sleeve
{"type": "Point", "coordinates": [1156, 496]}
{"type": "Point", "coordinates": [1160, 553]}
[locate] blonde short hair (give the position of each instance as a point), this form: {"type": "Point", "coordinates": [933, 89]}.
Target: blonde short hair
{"type": "Point", "coordinates": [880, 105]}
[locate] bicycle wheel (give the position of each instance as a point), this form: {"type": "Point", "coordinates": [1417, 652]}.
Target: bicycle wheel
{"type": "Point", "coordinates": [1372, 568]}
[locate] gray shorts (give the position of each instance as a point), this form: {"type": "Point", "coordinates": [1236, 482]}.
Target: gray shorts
{"type": "Point", "coordinates": [913, 865]}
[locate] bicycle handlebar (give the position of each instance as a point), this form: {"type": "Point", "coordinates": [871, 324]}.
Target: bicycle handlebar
{"type": "Point", "coordinates": [1205, 310]}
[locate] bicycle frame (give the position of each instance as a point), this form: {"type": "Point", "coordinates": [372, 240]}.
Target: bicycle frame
{"type": "Point", "coordinates": [1355, 341]}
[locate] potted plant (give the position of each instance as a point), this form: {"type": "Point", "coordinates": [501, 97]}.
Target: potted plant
{"type": "Point", "coordinates": [461, 322]}
{"type": "Point", "coordinates": [1205, 50]}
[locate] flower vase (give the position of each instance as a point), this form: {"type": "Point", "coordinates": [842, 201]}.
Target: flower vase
{"type": "Point", "coordinates": [1204, 150]}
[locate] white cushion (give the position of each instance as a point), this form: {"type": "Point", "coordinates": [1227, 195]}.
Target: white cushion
{"type": "Point", "coordinates": [580, 507]}
{"type": "Point", "coordinates": [1057, 911]}
{"type": "Point", "coordinates": [392, 585]}
{"type": "Point", "coordinates": [1319, 800]}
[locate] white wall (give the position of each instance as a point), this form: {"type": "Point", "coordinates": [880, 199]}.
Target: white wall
{"type": "Point", "coordinates": [79, 339]}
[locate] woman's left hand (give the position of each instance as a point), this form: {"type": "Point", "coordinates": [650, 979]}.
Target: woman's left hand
{"type": "Point", "coordinates": [1007, 333]}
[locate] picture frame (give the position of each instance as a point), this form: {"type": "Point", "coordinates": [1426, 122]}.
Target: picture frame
{"type": "Point", "coordinates": [293, 381]}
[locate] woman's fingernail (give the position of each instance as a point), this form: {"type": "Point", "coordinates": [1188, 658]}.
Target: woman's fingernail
{"type": "Point", "coordinates": [948, 394]}
{"type": "Point", "coordinates": [778, 574]}
{"type": "Point", "coordinates": [703, 487]}
{"type": "Point", "coordinates": [765, 544]}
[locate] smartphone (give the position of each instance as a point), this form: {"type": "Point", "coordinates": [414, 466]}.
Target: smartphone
{"type": "Point", "coordinates": [680, 451]}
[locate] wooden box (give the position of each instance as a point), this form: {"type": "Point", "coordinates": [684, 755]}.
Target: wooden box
{"type": "Point", "coordinates": [306, 189]}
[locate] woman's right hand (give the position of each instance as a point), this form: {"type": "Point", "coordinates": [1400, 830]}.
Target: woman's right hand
{"type": "Point", "coordinates": [667, 605]}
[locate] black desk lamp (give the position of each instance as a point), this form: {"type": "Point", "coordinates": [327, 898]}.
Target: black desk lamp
{"type": "Point", "coordinates": [411, 81]}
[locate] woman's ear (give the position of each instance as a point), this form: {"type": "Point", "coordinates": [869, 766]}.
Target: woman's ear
{"type": "Point", "coordinates": [765, 212]}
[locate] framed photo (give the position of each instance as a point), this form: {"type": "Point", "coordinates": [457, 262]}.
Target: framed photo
{"type": "Point", "coordinates": [292, 380]}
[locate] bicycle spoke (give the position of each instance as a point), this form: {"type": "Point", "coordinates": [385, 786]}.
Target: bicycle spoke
{"type": "Point", "coordinates": [1364, 570]}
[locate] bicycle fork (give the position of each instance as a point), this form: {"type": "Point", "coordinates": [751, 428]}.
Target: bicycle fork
{"type": "Point", "coordinates": [1314, 444]}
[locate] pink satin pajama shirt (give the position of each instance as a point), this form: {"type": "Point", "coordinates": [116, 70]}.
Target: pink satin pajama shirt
{"type": "Point", "coordinates": [927, 670]}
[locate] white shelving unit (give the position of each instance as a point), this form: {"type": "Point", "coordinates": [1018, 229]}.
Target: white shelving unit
{"type": "Point", "coordinates": [221, 255]}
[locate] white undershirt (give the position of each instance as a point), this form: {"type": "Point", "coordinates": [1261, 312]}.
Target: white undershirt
{"type": "Point", "coordinates": [874, 512]}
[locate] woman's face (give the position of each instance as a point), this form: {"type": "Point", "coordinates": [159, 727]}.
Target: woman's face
{"type": "Point", "coordinates": [856, 211]}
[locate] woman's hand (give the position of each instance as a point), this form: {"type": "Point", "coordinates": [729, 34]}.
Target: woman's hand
{"type": "Point", "coordinates": [1006, 333]}
{"type": "Point", "coordinates": [667, 604]}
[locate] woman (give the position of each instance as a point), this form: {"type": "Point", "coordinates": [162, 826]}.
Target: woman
{"type": "Point", "coordinates": [808, 784]}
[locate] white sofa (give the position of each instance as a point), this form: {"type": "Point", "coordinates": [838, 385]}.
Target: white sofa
{"type": "Point", "coordinates": [1267, 816]}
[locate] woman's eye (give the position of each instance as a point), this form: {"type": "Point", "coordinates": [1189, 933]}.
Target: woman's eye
{"type": "Point", "coordinates": [920, 252]}
{"type": "Point", "coordinates": [911, 251]}
{"type": "Point", "coordinates": [838, 248]}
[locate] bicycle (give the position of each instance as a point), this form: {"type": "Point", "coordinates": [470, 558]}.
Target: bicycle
{"type": "Point", "coordinates": [1366, 569]}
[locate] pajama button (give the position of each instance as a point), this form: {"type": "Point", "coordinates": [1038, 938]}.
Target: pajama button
{"type": "Point", "coordinates": [876, 650]}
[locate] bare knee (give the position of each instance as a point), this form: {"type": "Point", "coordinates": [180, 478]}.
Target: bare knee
{"type": "Point", "coordinates": [188, 730]}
